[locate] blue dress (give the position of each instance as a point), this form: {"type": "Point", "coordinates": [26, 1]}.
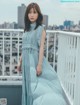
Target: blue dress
{"type": "Point", "coordinates": [38, 90]}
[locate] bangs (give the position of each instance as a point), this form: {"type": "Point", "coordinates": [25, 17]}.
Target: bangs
{"type": "Point", "coordinates": [34, 9]}
{"type": "Point", "coordinates": [32, 6]}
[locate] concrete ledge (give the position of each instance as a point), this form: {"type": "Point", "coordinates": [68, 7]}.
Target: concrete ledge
{"type": "Point", "coordinates": [13, 94]}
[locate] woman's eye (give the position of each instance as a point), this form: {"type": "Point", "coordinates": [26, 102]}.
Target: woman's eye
{"type": "Point", "coordinates": [35, 12]}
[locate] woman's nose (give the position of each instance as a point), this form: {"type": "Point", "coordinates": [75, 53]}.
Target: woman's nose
{"type": "Point", "coordinates": [32, 14]}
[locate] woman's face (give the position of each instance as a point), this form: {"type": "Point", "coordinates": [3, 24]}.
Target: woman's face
{"type": "Point", "coordinates": [33, 15]}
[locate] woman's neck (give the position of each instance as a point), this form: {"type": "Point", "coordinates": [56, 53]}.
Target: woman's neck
{"type": "Point", "coordinates": [33, 25]}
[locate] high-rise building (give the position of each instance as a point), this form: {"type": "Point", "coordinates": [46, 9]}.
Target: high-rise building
{"type": "Point", "coordinates": [21, 13]}
{"type": "Point", "coordinates": [45, 21]}
{"type": "Point", "coordinates": [79, 22]}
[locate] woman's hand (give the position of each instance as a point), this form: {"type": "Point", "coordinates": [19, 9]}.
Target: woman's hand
{"type": "Point", "coordinates": [39, 70]}
{"type": "Point", "coordinates": [19, 64]}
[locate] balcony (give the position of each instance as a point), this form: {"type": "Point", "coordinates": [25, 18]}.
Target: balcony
{"type": "Point", "coordinates": [62, 50]}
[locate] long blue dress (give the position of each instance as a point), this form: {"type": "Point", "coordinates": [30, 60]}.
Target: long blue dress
{"type": "Point", "coordinates": [38, 90]}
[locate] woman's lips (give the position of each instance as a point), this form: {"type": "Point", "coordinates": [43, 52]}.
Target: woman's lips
{"type": "Point", "coordinates": [32, 18]}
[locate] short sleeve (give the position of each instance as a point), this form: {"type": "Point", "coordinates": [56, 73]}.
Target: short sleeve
{"type": "Point", "coordinates": [41, 28]}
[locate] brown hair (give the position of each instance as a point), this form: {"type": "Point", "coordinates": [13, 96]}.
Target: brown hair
{"type": "Point", "coordinates": [26, 19]}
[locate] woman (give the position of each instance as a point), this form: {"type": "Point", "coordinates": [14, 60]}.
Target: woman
{"type": "Point", "coordinates": [40, 83]}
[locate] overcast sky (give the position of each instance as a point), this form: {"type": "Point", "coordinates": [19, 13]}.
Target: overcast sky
{"type": "Point", "coordinates": [56, 10]}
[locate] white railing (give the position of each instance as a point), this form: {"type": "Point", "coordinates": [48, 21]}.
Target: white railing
{"type": "Point", "coordinates": [10, 49]}
{"type": "Point", "coordinates": [62, 51]}
{"type": "Point", "coordinates": [68, 62]}
{"type": "Point", "coordinates": [68, 65]}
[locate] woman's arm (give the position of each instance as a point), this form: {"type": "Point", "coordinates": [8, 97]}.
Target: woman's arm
{"type": "Point", "coordinates": [20, 59]}
{"type": "Point", "coordinates": [41, 50]}
{"type": "Point", "coordinates": [19, 64]}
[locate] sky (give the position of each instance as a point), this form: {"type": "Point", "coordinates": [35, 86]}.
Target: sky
{"type": "Point", "coordinates": [56, 10]}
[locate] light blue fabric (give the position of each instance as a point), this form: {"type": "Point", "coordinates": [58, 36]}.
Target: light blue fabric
{"type": "Point", "coordinates": [38, 90]}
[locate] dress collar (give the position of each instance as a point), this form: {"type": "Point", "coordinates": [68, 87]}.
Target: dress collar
{"type": "Point", "coordinates": [33, 25]}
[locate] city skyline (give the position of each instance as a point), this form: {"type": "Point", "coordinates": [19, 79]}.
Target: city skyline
{"type": "Point", "coordinates": [56, 10]}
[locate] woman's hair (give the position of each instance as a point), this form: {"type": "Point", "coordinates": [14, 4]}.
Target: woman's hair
{"type": "Point", "coordinates": [26, 19]}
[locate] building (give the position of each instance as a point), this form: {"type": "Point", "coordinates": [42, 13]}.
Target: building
{"type": "Point", "coordinates": [68, 24]}
{"type": "Point", "coordinates": [7, 25]}
{"type": "Point", "coordinates": [79, 23]}
{"type": "Point", "coordinates": [21, 13]}
{"type": "Point", "coordinates": [45, 21]}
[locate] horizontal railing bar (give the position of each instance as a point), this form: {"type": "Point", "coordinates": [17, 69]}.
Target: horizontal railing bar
{"type": "Point", "coordinates": [10, 83]}
{"type": "Point", "coordinates": [10, 77]}
{"type": "Point", "coordinates": [48, 31]}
